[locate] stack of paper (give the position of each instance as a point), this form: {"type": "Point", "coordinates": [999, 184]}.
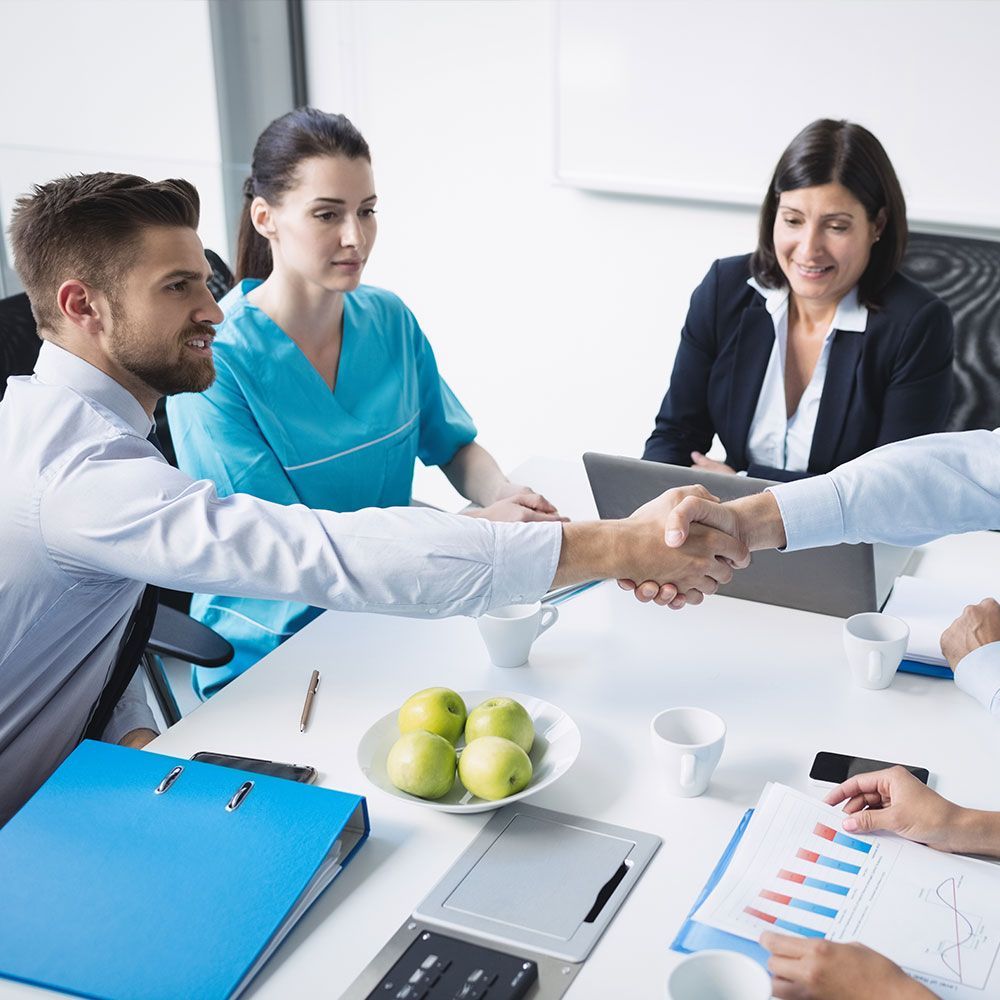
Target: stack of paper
{"type": "Point", "coordinates": [929, 608]}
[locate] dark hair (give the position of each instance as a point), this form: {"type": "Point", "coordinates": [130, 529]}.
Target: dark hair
{"type": "Point", "coordinates": [838, 152]}
{"type": "Point", "coordinates": [282, 146]}
{"type": "Point", "coordinates": [88, 226]}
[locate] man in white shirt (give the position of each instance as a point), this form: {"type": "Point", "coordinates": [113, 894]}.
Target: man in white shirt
{"type": "Point", "coordinates": [90, 512]}
{"type": "Point", "coordinates": [904, 493]}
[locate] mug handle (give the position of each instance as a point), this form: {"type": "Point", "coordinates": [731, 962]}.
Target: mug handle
{"type": "Point", "coordinates": [550, 615]}
{"type": "Point", "coordinates": [874, 667]}
{"type": "Point", "coordinates": [687, 770]}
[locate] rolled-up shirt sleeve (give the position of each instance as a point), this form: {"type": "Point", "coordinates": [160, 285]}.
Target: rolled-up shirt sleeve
{"type": "Point", "coordinates": [978, 675]}
{"type": "Point", "coordinates": [140, 518]}
{"type": "Point", "coordinates": [904, 493]}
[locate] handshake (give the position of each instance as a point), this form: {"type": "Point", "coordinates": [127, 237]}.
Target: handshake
{"type": "Point", "coordinates": [700, 542]}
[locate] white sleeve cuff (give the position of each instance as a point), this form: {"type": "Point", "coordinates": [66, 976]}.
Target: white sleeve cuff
{"type": "Point", "coordinates": [978, 674]}
{"type": "Point", "coordinates": [811, 511]}
{"type": "Point", "coordinates": [527, 556]}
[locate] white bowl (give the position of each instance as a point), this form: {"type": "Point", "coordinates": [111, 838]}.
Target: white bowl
{"type": "Point", "coordinates": [557, 743]}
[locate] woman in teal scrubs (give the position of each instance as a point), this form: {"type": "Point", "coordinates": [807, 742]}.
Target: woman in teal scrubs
{"type": "Point", "coordinates": [326, 390]}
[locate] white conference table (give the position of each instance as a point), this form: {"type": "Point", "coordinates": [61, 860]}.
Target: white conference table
{"type": "Point", "coordinates": [777, 677]}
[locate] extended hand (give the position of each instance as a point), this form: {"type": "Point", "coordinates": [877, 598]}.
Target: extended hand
{"type": "Point", "coordinates": [812, 969]}
{"type": "Point", "coordinates": [701, 461]}
{"type": "Point", "coordinates": [895, 801]}
{"type": "Point", "coordinates": [977, 625]}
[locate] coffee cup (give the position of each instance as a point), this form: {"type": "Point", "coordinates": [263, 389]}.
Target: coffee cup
{"type": "Point", "coordinates": [509, 632]}
{"type": "Point", "coordinates": [718, 975]}
{"type": "Point", "coordinates": [687, 745]}
{"type": "Point", "coordinates": [875, 643]}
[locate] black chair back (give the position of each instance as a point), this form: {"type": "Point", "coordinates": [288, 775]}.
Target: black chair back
{"type": "Point", "coordinates": [965, 273]}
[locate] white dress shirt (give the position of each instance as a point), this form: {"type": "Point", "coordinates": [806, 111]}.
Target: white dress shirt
{"type": "Point", "coordinates": [907, 493]}
{"type": "Point", "coordinates": [90, 512]}
{"type": "Point", "coordinates": [777, 440]}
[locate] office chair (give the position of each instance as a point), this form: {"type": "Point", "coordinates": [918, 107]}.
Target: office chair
{"type": "Point", "coordinates": [174, 632]}
{"type": "Point", "coordinates": [965, 273]}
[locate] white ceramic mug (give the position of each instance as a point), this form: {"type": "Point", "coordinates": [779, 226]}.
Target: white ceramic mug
{"type": "Point", "coordinates": [718, 975]}
{"type": "Point", "coordinates": [875, 643]}
{"type": "Point", "coordinates": [509, 632]}
{"type": "Point", "coordinates": [687, 745]}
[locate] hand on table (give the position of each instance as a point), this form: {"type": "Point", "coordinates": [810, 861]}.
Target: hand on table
{"type": "Point", "coordinates": [701, 461]}
{"type": "Point", "coordinates": [518, 503]}
{"type": "Point", "coordinates": [714, 555]}
{"type": "Point", "coordinates": [976, 626]}
{"type": "Point", "coordinates": [138, 738]}
{"type": "Point", "coordinates": [812, 969]}
{"type": "Point", "coordinates": [895, 801]}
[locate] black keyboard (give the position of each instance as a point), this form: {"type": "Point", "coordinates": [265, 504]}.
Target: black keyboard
{"type": "Point", "coordinates": [438, 967]}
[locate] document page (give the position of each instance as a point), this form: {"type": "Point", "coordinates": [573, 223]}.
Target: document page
{"type": "Point", "coordinates": [795, 871]}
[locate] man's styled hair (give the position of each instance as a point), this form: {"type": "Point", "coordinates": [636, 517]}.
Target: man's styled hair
{"type": "Point", "coordinates": [88, 227]}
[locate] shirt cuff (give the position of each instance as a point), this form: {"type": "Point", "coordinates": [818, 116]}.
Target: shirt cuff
{"type": "Point", "coordinates": [527, 556]}
{"type": "Point", "coordinates": [811, 511]}
{"type": "Point", "coordinates": [978, 675]}
{"type": "Point", "coordinates": [132, 712]}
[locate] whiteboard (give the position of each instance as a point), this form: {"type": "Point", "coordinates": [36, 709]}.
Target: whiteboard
{"type": "Point", "coordinates": [697, 100]}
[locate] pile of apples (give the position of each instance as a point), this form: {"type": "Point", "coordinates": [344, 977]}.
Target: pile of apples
{"type": "Point", "coordinates": [494, 762]}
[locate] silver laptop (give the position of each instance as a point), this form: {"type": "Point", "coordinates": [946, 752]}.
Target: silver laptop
{"type": "Point", "coordinates": [839, 580]}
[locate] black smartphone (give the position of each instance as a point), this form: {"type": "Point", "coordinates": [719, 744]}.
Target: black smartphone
{"type": "Point", "coordinates": [274, 768]}
{"type": "Point", "coordinates": [834, 768]}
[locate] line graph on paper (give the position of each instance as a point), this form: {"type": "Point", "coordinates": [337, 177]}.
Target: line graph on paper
{"type": "Point", "coordinates": [958, 946]}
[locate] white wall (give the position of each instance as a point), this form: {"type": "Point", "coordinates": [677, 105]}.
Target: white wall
{"type": "Point", "coordinates": [124, 85]}
{"type": "Point", "coordinates": [555, 314]}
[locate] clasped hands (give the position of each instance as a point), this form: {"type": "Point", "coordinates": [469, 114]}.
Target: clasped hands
{"type": "Point", "coordinates": [702, 549]}
{"type": "Point", "coordinates": [693, 519]}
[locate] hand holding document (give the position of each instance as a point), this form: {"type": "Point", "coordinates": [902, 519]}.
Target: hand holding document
{"type": "Point", "coordinates": [796, 871]}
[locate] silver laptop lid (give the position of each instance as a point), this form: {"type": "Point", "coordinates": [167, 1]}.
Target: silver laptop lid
{"type": "Point", "coordinates": [837, 580]}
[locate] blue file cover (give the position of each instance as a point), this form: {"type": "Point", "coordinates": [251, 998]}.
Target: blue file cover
{"type": "Point", "coordinates": [697, 937]}
{"type": "Point", "coordinates": [115, 886]}
{"type": "Point", "coordinates": [926, 669]}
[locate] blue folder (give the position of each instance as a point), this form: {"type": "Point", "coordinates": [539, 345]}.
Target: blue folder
{"type": "Point", "coordinates": [694, 936]}
{"type": "Point", "coordinates": [130, 875]}
{"type": "Point", "coordinates": [926, 669]}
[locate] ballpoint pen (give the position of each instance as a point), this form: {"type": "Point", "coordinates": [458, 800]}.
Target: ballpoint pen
{"type": "Point", "coordinates": [310, 694]}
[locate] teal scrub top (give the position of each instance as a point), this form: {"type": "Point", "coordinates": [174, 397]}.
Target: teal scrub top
{"type": "Point", "coordinates": [271, 427]}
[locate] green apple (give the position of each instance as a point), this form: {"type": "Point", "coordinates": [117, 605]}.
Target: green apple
{"type": "Point", "coordinates": [422, 764]}
{"type": "Point", "coordinates": [501, 717]}
{"type": "Point", "coordinates": [437, 710]}
{"type": "Point", "coordinates": [493, 767]}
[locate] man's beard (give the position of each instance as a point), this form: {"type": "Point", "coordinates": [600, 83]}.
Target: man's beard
{"type": "Point", "coordinates": [158, 365]}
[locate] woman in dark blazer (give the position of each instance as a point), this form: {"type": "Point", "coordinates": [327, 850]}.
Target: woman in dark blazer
{"type": "Point", "coordinates": [814, 349]}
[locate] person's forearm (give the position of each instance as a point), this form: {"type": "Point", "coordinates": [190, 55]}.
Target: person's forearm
{"type": "Point", "coordinates": [760, 521]}
{"type": "Point", "coordinates": [591, 550]}
{"type": "Point", "coordinates": [475, 474]}
{"type": "Point", "coordinates": [975, 831]}
{"type": "Point", "coordinates": [905, 493]}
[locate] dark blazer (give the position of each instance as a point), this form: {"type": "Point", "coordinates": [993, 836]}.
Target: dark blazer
{"type": "Point", "coordinates": [891, 382]}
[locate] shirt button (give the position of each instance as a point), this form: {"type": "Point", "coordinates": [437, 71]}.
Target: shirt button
{"type": "Point", "coordinates": [432, 611]}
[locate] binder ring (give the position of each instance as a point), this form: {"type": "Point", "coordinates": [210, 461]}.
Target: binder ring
{"type": "Point", "coordinates": [241, 793]}
{"type": "Point", "coordinates": [169, 780]}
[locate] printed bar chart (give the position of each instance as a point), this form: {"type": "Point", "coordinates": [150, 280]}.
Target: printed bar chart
{"type": "Point", "coordinates": [813, 883]}
{"type": "Point", "coordinates": [828, 833]}
{"type": "Point", "coordinates": [785, 925]}
{"type": "Point", "coordinates": [827, 862]}
{"type": "Point", "coordinates": [799, 904]}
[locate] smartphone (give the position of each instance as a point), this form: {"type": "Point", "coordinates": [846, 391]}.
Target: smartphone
{"type": "Point", "coordinates": [274, 768]}
{"type": "Point", "coordinates": [834, 768]}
